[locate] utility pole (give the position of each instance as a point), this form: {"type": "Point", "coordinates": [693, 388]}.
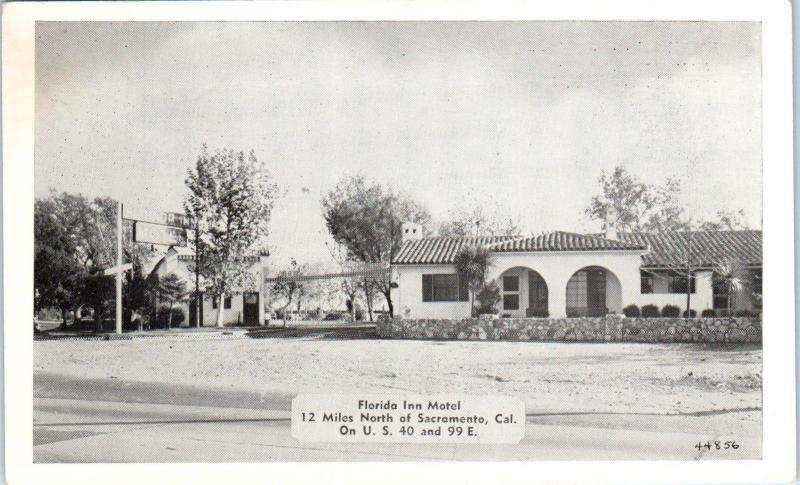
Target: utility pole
{"type": "Point", "coordinates": [198, 299]}
{"type": "Point", "coordinates": [119, 266]}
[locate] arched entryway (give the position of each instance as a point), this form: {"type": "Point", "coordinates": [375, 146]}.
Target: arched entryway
{"type": "Point", "coordinates": [593, 291]}
{"type": "Point", "coordinates": [523, 293]}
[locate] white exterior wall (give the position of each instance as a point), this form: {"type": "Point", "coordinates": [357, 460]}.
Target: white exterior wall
{"type": "Point", "coordinates": [555, 268]}
{"type": "Point", "coordinates": [407, 297]}
{"type": "Point", "coordinates": [234, 314]}
{"type": "Point", "coordinates": [701, 299]}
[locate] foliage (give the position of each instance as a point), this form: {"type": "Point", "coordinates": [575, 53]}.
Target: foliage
{"type": "Point", "coordinates": [638, 206]}
{"type": "Point", "coordinates": [671, 311]}
{"type": "Point", "coordinates": [366, 219]}
{"type": "Point", "coordinates": [471, 263]}
{"type": "Point", "coordinates": [538, 313]}
{"type": "Point", "coordinates": [689, 313]}
{"type": "Point", "coordinates": [168, 316]}
{"type": "Point", "coordinates": [632, 311]}
{"type": "Point", "coordinates": [488, 297]}
{"type": "Point", "coordinates": [725, 221]}
{"type": "Point", "coordinates": [708, 313]}
{"type": "Point", "coordinates": [650, 311]}
{"type": "Point", "coordinates": [172, 289]}
{"type": "Point", "coordinates": [476, 222]}
{"type": "Point", "coordinates": [731, 276]}
{"type": "Point", "coordinates": [230, 201]}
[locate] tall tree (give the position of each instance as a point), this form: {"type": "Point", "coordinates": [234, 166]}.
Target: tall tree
{"type": "Point", "coordinates": [366, 218]}
{"type": "Point", "coordinates": [172, 289]}
{"type": "Point", "coordinates": [477, 222]}
{"type": "Point", "coordinates": [230, 201]}
{"type": "Point", "coordinates": [726, 220]}
{"type": "Point", "coordinates": [638, 206]}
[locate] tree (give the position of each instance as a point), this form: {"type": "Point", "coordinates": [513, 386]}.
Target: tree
{"type": "Point", "coordinates": [471, 264]}
{"type": "Point", "coordinates": [726, 221]}
{"type": "Point", "coordinates": [171, 288]}
{"type": "Point", "coordinates": [366, 219]}
{"type": "Point", "coordinates": [731, 276]}
{"type": "Point", "coordinates": [685, 264]}
{"type": "Point", "coordinates": [638, 206]}
{"type": "Point", "coordinates": [287, 287]}
{"type": "Point", "coordinates": [466, 223]}
{"type": "Point", "coordinates": [230, 201]}
{"type": "Point", "coordinates": [57, 275]}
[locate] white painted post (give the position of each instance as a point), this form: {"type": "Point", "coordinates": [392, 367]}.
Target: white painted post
{"type": "Point", "coordinates": [119, 268]}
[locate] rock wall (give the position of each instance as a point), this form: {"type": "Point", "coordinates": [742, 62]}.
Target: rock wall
{"type": "Point", "coordinates": [611, 328]}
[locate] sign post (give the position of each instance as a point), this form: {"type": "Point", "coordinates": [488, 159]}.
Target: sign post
{"type": "Point", "coordinates": [119, 269]}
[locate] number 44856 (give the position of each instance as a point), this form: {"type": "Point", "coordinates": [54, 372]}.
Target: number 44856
{"type": "Point", "coordinates": [717, 445]}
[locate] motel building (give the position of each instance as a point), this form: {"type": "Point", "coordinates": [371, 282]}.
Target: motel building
{"type": "Point", "coordinates": [240, 308]}
{"type": "Point", "coordinates": [564, 274]}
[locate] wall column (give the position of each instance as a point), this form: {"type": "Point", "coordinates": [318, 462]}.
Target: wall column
{"type": "Point", "coordinates": [556, 296]}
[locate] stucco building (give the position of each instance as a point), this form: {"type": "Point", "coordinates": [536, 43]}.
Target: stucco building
{"type": "Point", "coordinates": [568, 274]}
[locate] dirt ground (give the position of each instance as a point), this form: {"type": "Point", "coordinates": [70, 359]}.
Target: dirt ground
{"type": "Point", "coordinates": [550, 377]}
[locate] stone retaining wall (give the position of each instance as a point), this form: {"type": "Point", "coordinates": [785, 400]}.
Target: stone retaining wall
{"type": "Point", "coordinates": [611, 328]}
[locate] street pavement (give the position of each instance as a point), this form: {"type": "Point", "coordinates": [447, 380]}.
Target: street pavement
{"type": "Point", "coordinates": [92, 420]}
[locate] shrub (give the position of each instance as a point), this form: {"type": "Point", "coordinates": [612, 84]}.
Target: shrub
{"type": "Point", "coordinates": [488, 297]}
{"type": "Point", "coordinates": [632, 311]}
{"type": "Point", "coordinates": [689, 314]}
{"type": "Point", "coordinates": [745, 313]}
{"type": "Point", "coordinates": [177, 316]}
{"type": "Point", "coordinates": [708, 313]}
{"type": "Point", "coordinates": [650, 311]}
{"type": "Point", "coordinates": [537, 312]}
{"type": "Point", "coordinates": [670, 311]}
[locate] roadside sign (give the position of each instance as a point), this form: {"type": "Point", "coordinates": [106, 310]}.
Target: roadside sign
{"type": "Point", "coordinates": [118, 269]}
{"type": "Point", "coordinates": [152, 233]}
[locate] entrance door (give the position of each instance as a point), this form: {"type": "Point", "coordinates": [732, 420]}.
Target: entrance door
{"type": "Point", "coordinates": [596, 292]}
{"type": "Point", "coordinates": [537, 295]}
{"type": "Point", "coordinates": [250, 310]}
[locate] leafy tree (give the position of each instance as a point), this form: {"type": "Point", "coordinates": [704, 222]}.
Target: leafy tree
{"type": "Point", "coordinates": [471, 263]}
{"type": "Point", "coordinates": [288, 288]}
{"type": "Point", "coordinates": [57, 275]}
{"type": "Point", "coordinates": [366, 219]}
{"type": "Point", "coordinates": [638, 206]}
{"type": "Point", "coordinates": [726, 221]}
{"type": "Point", "coordinates": [476, 222]}
{"type": "Point", "coordinates": [172, 289]}
{"type": "Point", "coordinates": [230, 201]}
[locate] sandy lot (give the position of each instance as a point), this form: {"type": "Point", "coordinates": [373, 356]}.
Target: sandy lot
{"type": "Point", "coordinates": [550, 377]}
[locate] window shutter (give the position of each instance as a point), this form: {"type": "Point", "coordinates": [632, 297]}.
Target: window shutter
{"type": "Point", "coordinates": [463, 288]}
{"type": "Point", "coordinates": [427, 287]}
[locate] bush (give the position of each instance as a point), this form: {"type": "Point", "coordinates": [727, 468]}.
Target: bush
{"type": "Point", "coordinates": [488, 297]}
{"type": "Point", "coordinates": [745, 313]}
{"type": "Point", "coordinates": [671, 311]}
{"type": "Point", "coordinates": [632, 311]}
{"type": "Point", "coordinates": [650, 311]}
{"type": "Point", "coordinates": [689, 314]}
{"type": "Point", "coordinates": [537, 312]}
{"type": "Point", "coordinates": [177, 316]}
{"type": "Point", "coordinates": [708, 313]}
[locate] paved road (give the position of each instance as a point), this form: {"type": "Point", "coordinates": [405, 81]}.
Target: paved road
{"type": "Point", "coordinates": [84, 420]}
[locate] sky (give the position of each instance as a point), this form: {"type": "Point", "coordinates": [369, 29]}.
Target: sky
{"type": "Point", "coordinates": [518, 117]}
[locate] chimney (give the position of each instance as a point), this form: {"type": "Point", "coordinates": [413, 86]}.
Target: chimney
{"type": "Point", "coordinates": [611, 223]}
{"type": "Point", "coordinates": [411, 231]}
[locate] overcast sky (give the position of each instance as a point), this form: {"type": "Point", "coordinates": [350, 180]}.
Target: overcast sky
{"type": "Point", "coordinates": [521, 117]}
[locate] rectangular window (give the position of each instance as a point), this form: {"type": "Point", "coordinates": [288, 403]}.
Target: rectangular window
{"type": "Point", "coordinates": [444, 287]}
{"type": "Point", "coordinates": [677, 283]}
{"type": "Point", "coordinates": [510, 283]}
{"type": "Point", "coordinates": [511, 301]}
{"type": "Point", "coordinates": [227, 303]}
{"type": "Point", "coordinates": [647, 282]}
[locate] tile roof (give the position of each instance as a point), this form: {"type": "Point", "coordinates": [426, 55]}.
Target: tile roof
{"type": "Point", "coordinates": [442, 250]}
{"type": "Point", "coordinates": [708, 248]}
{"type": "Point", "coordinates": [565, 241]}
